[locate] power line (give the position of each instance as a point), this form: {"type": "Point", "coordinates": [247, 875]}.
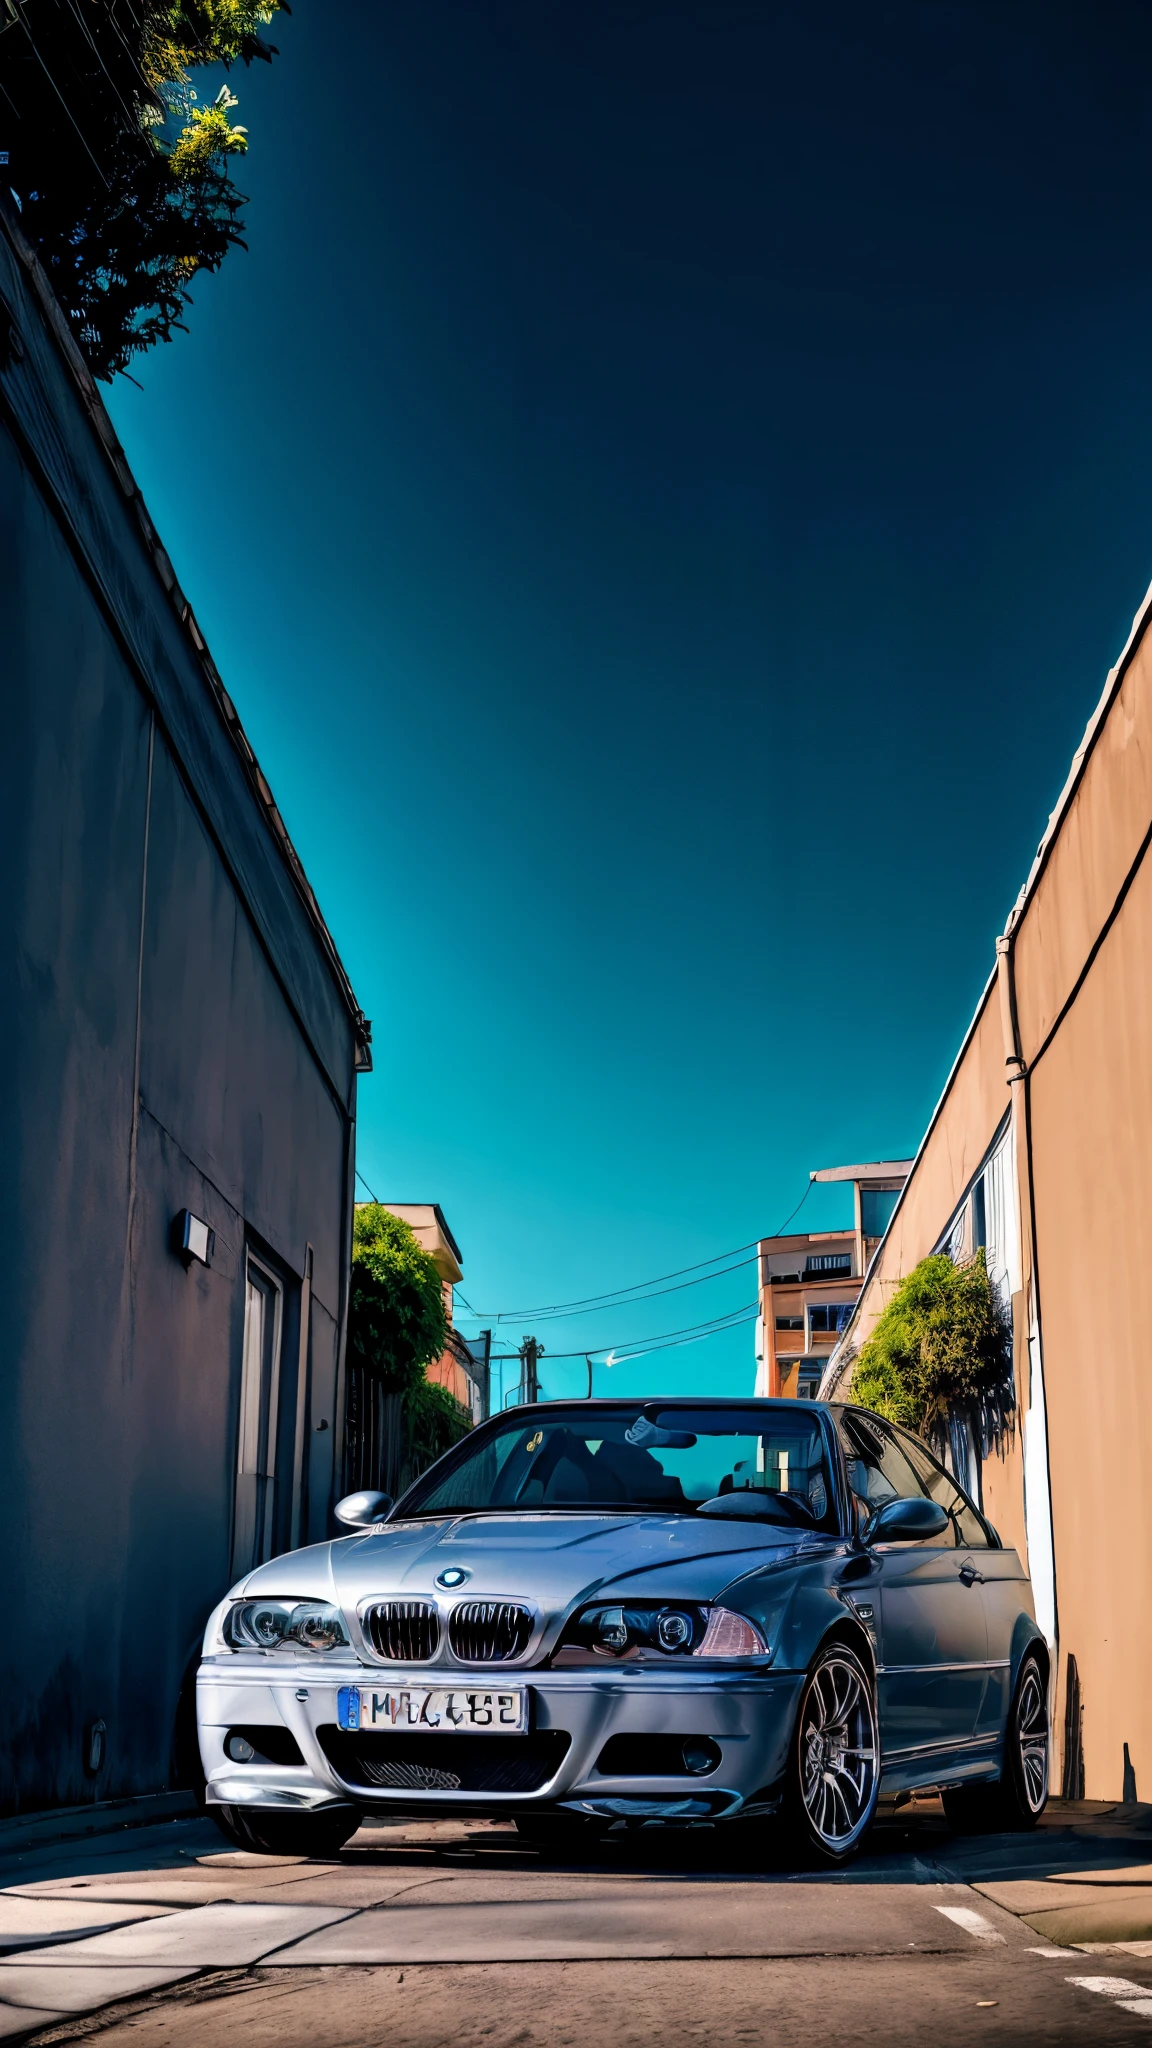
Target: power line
{"type": "Point", "coordinates": [598, 1307]}
{"type": "Point", "coordinates": [612, 1294]}
{"type": "Point", "coordinates": [713, 1327]}
{"type": "Point", "coordinates": [616, 1296]}
{"type": "Point", "coordinates": [371, 1196]}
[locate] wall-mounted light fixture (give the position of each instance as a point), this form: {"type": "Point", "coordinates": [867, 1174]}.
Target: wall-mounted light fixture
{"type": "Point", "coordinates": [192, 1238]}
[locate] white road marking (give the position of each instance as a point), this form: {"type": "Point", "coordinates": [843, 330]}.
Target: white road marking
{"type": "Point", "coordinates": [973, 1923]}
{"type": "Point", "coordinates": [1111, 1987]}
{"type": "Point", "coordinates": [1061, 1954]}
{"type": "Point", "coordinates": [1126, 1996]}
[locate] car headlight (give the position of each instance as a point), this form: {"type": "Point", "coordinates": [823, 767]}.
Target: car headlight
{"type": "Point", "coordinates": [284, 1625]}
{"type": "Point", "coordinates": [680, 1631]}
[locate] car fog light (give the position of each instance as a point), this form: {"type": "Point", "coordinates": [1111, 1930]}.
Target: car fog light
{"type": "Point", "coordinates": [612, 1630]}
{"type": "Point", "coordinates": [239, 1749]}
{"type": "Point", "coordinates": [674, 1630]}
{"type": "Point", "coordinates": [700, 1755]}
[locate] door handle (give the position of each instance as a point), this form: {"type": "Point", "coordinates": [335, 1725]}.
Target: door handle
{"type": "Point", "coordinates": [969, 1576]}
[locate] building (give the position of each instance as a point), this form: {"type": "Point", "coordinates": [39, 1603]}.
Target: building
{"type": "Point", "coordinates": [181, 1050]}
{"type": "Point", "coordinates": [463, 1368]}
{"type": "Point", "coordinates": [1040, 1150]}
{"type": "Point", "coordinates": [809, 1282]}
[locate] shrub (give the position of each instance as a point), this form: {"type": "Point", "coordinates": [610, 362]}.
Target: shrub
{"type": "Point", "coordinates": [396, 1327]}
{"type": "Point", "coordinates": [941, 1351]}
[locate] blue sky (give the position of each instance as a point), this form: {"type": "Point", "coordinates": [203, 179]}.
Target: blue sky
{"type": "Point", "coordinates": [664, 488]}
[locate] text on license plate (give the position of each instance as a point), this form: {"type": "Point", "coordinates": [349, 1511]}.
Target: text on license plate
{"type": "Point", "coordinates": [476, 1713]}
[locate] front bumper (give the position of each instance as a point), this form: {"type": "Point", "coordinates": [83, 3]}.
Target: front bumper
{"type": "Point", "coordinates": [749, 1713]}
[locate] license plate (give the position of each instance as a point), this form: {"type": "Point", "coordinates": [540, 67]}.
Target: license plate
{"type": "Point", "coordinates": [434, 1712]}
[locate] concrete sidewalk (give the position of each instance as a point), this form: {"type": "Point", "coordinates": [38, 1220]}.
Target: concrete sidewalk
{"type": "Point", "coordinates": [135, 1917]}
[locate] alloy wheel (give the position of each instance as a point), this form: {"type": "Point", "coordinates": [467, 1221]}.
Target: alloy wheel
{"type": "Point", "coordinates": [1032, 1739]}
{"type": "Point", "coordinates": [838, 1752]}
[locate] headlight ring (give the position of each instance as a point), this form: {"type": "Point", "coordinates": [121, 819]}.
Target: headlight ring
{"type": "Point", "coordinates": [284, 1625]}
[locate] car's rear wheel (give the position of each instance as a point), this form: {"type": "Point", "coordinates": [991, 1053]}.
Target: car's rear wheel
{"type": "Point", "coordinates": [834, 1767]}
{"type": "Point", "coordinates": [1018, 1798]}
{"type": "Point", "coordinates": [287, 1834]}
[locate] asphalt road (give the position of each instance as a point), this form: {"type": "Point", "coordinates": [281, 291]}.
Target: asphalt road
{"type": "Point", "coordinates": [424, 1934]}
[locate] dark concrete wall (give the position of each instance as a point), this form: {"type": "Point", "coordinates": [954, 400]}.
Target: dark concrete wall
{"type": "Point", "coordinates": [172, 1035]}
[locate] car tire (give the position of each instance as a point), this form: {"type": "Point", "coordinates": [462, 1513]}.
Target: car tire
{"type": "Point", "coordinates": [1015, 1802]}
{"type": "Point", "coordinates": [834, 1764]}
{"type": "Point", "coordinates": [287, 1834]}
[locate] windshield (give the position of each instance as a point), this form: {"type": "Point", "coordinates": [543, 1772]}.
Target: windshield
{"type": "Point", "coordinates": [766, 1462]}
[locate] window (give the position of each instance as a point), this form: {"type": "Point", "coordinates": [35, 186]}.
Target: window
{"type": "Point", "coordinates": [886, 1463]}
{"type": "Point", "coordinates": [877, 1470]}
{"type": "Point", "coordinates": [940, 1485]}
{"type": "Point", "coordinates": [253, 1528]}
{"type": "Point", "coordinates": [829, 1315]}
{"type": "Point", "coordinates": [789, 1322]}
{"type": "Point", "coordinates": [876, 1206]}
{"type": "Point", "coordinates": [829, 1262]}
{"type": "Point", "coordinates": [670, 1459]}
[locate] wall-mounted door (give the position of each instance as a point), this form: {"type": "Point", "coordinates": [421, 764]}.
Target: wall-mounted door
{"type": "Point", "coordinates": [254, 1520]}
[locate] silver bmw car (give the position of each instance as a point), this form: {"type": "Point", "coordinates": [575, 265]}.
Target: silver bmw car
{"type": "Point", "coordinates": [606, 1613]}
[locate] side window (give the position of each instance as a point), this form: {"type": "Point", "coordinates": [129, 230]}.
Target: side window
{"type": "Point", "coordinates": [879, 1468]}
{"type": "Point", "coordinates": [940, 1485]}
{"type": "Point", "coordinates": [877, 1471]}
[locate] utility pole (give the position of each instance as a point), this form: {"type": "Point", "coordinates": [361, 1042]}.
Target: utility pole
{"type": "Point", "coordinates": [530, 1352]}
{"type": "Point", "coordinates": [486, 1371]}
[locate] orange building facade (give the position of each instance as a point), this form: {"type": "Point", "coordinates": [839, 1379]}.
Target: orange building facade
{"type": "Point", "coordinates": [809, 1282]}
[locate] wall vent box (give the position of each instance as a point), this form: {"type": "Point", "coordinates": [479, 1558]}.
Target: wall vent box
{"type": "Point", "coordinates": [192, 1238]}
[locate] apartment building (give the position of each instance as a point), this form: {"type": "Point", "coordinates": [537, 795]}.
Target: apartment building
{"type": "Point", "coordinates": [810, 1281]}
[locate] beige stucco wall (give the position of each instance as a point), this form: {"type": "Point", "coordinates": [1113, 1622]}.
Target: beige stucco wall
{"type": "Point", "coordinates": [1088, 1108]}
{"type": "Point", "coordinates": [1092, 1165]}
{"type": "Point", "coordinates": [966, 1123]}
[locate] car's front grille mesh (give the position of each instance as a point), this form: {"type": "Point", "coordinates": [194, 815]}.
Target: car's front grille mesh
{"type": "Point", "coordinates": [445, 1763]}
{"type": "Point", "coordinates": [489, 1631]}
{"type": "Point", "coordinates": [406, 1631]}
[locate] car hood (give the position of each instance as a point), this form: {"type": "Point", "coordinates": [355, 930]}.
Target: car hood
{"type": "Point", "coordinates": [550, 1560]}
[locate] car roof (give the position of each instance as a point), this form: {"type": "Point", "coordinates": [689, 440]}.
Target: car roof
{"type": "Point", "coordinates": [739, 1402]}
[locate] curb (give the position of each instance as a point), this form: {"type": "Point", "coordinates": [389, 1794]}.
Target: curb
{"type": "Point", "coordinates": [104, 1816]}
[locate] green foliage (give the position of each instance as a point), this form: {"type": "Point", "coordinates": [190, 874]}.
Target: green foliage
{"type": "Point", "coordinates": [123, 213]}
{"type": "Point", "coordinates": [434, 1421]}
{"type": "Point", "coordinates": [942, 1349]}
{"type": "Point", "coordinates": [396, 1319]}
{"type": "Point", "coordinates": [208, 139]}
{"type": "Point", "coordinates": [396, 1327]}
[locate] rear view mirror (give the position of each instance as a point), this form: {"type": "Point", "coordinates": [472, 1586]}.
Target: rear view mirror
{"type": "Point", "coordinates": [918, 1520]}
{"type": "Point", "coordinates": [361, 1510]}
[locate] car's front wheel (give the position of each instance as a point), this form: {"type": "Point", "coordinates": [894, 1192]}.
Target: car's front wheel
{"type": "Point", "coordinates": [287, 1834]}
{"type": "Point", "coordinates": [1018, 1798]}
{"type": "Point", "coordinates": [834, 1768]}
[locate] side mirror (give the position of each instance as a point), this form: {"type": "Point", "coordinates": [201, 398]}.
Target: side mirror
{"type": "Point", "coordinates": [361, 1510]}
{"type": "Point", "coordinates": [906, 1521]}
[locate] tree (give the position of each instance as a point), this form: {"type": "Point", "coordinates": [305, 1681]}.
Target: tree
{"type": "Point", "coordinates": [123, 211]}
{"type": "Point", "coordinates": [941, 1351]}
{"type": "Point", "coordinates": [397, 1326]}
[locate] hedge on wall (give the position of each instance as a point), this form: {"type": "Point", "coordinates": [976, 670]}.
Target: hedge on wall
{"type": "Point", "coordinates": [940, 1352]}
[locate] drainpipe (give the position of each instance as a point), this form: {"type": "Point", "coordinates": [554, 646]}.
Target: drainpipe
{"type": "Point", "coordinates": [1034, 1421]}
